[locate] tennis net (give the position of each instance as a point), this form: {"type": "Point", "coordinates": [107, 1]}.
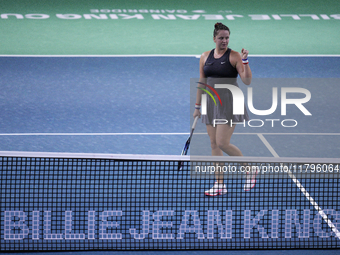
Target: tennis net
{"type": "Point", "coordinates": [58, 201]}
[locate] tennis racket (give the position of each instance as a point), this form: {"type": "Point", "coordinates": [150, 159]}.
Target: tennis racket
{"type": "Point", "coordinates": [187, 144]}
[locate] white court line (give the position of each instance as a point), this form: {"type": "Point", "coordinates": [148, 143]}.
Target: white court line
{"type": "Point", "coordinates": [296, 56]}
{"type": "Point", "coordinates": [152, 134]}
{"type": "Point", "coordinates": [301, 133]}
{"type": "Point", "coordinates": [165, 55]}
{"type": "Point", "coordinates": [302, 189]}
{"type": "Point", "coordinates": [281, 133]}
{"type": "Point", "coordinates": [102, 56]}
{"type": "Point", "coordinates": [87, 134]}
{"type": "Point", "coordinates": [267, 144]}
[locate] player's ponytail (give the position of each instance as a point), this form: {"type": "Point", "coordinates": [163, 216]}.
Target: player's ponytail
{"type": "Point", "coordinates": [220, 26]}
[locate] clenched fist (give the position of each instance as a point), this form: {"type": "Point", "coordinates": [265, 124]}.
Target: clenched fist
{"type": "Point", "coordinates": [244, 53]}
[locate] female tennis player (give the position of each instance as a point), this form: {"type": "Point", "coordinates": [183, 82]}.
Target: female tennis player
{"type": "Point", "coordinates": [222, 66]}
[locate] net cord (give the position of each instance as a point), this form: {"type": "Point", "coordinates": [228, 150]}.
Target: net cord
{"type": "Point", "coordinates": [169, 157]}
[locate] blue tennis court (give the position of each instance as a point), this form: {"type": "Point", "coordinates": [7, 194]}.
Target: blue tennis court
{"type": "Point", "coordinates": [141, 105]}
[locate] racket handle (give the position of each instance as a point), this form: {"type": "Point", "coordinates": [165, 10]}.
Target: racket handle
{"type": "Point", "coordinates": [195, 122]}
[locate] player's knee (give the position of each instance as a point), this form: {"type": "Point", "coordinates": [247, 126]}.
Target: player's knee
{"type": "Point", "coordinates": [223, 145]}
{"type": "Point", "coordinates": [214, 145]}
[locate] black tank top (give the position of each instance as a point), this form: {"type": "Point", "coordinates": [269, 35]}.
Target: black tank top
{"type": "Point", "coordinates": [219, 68]}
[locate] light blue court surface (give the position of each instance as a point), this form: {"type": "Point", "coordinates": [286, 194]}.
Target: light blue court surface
{"type": "Point", "coordinates": [141, 105]}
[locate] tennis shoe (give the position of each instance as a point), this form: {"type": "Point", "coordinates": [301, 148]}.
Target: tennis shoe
{"type": "Point", "coordinates": [251, 178]}
{"type": "Point", "coordinates": [217, 189]}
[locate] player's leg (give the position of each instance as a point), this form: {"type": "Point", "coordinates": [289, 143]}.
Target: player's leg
{"type": "Point", "coordinates": [215, 150]}
{"type": "Point", "coordinates": [219, 188]}
{"type": "Point", "coordinates": [223, 136]}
